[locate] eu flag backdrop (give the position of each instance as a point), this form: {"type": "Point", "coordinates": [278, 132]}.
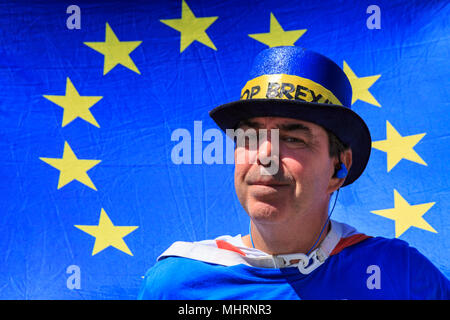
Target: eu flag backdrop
{"type": "Point", "coordinates": [90, 190]}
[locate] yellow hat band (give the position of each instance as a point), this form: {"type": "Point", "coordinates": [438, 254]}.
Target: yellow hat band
{"type": "Point", "coordinates": [284, 86]}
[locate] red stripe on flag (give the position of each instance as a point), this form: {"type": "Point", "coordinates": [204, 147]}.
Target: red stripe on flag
{"type": "Point", "coordinates": [349, 241]}
{"type": "Point", "coordinates": [222, 244]}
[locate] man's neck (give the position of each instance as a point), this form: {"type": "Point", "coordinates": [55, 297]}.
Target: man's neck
{"type": "Point", "coordinates": [288, 238]}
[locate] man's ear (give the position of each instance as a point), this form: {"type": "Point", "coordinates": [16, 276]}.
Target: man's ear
{"type": "Point", "coordinates": [346, 158]}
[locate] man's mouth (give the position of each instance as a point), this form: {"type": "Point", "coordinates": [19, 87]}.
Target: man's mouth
{"type": "Point", "coordinates": [269, 183]}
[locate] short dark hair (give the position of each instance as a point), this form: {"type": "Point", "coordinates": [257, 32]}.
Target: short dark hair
{"type": "Point", "coordinates": [335, 145]}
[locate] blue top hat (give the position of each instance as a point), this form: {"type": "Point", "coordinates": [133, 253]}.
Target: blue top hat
{"type": "Point", "coordinates": [293, 82]}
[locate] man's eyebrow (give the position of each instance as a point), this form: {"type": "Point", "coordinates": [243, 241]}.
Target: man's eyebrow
{"type": "Point", "coordinates": [284, 127]}
{"type": "Point", "coordinates": [296, 127]}
{"type": "Point", "coordinates": [248, 123]}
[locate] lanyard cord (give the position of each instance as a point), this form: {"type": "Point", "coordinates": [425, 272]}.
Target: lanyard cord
{"type": "Point", "coordinates": [326, 222]}
{"type": "Point", "coordinates": [250, 232]}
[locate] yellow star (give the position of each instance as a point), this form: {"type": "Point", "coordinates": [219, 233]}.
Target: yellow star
{"type": "Point", "coordinates": [406, 215]}
{"type": "Point", "coordinates": [115, 51]}
{"type": "Point", "coordinates": [74, 105]}
{"type": "Point", "coordinates": [360, 86]}
{"type": "Point", "coordinates": [71, 168]}
{"type": "Point", "coordinates": [191, 28]}
{"type": "Point", "coordinates": [107, 234]}
{"type": "Point", "coordinates": [398, 147]}
{"type": "Point", "coordinates": [277, 36]}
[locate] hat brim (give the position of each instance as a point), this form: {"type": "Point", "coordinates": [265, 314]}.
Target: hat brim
{"type": "Point", "coordinates": [342, 121]}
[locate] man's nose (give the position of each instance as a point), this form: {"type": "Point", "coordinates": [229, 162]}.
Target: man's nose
{"type": "Point", "coordinates": [268, 148]}
{"type": "Point", "coordinates": [264, 152]}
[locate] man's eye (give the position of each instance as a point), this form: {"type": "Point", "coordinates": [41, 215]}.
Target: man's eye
{"type": "Point", "coordinates": [293, 140]}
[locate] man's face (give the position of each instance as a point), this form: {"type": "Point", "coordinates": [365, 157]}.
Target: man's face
{"type": "Point", "coordinates": [301, 185]}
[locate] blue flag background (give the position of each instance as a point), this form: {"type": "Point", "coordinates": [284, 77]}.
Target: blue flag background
{"type": "Point", "coordinates": [89, 192]}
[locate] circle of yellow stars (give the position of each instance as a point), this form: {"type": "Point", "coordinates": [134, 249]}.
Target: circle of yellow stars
{"type": "Point", "coordinates": [194, 29]}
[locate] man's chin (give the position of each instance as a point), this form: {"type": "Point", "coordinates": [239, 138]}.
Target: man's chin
{"type": "Point", "coordinates": [265, 211]}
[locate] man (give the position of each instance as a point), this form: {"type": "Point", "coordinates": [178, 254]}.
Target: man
{"type": "Point", "coordinates": [312, 145]}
